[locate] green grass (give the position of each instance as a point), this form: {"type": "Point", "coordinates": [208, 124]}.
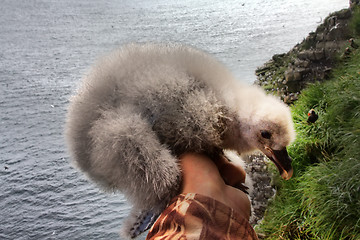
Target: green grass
{"type": "Point", "coordinates": [355, 21]}
{"type": "Point", "coordinates": [322, 200]}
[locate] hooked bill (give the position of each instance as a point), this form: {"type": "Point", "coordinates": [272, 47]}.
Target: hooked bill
{"type": "Point", "coordinates": [282, 161]}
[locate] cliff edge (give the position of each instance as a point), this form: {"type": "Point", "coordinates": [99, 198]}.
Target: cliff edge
{"type": "Point", "coordinates": [311, 60]}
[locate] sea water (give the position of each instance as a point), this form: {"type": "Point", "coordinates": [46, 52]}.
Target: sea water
{"type": "Point", "coordinates": [46, 46]}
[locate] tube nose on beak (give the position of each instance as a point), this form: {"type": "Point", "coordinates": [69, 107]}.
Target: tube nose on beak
{"type": "Point", "coordinates": [281, 160]}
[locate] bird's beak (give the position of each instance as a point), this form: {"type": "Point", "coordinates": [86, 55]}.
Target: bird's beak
{"type": "Point", "coordinates": [282, 161]}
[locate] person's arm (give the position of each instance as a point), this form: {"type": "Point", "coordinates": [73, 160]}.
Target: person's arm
{"type": "Point", "coordinates": [207, 208]}
{"type": "Point", "coordinates": [201, 175]}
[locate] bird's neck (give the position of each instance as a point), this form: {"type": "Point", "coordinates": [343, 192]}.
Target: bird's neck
{"type": "Point", "coordinates": [237, 136]}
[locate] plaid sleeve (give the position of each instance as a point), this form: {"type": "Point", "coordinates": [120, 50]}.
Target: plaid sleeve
{"type": "Point", "coordinates": [193, 216]}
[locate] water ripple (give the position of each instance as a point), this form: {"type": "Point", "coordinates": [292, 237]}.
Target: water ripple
{"type": "Point", "coordinates": [45, 48]}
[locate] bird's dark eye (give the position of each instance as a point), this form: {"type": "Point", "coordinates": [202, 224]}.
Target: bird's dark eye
{"type": "Point", "coordinates": [265, 134]}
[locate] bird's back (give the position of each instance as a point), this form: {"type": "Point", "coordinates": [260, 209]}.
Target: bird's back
{"type": "Point", "coordinates": [176, 88]}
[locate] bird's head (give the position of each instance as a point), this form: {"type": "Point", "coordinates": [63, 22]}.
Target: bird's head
{"type": "Point", "coordinates": [268, 127]}
{"type": "Point", "coordinates": [272, 138]}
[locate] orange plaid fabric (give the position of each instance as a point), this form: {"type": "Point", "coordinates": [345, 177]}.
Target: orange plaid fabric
{"type": "Point", "coordinates": [193, 216]}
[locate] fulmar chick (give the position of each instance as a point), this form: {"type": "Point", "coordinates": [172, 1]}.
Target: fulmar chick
{"type": "Point", "coordinates": [145, 104]}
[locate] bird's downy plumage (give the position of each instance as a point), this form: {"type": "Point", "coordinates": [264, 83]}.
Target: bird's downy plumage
{"type": "Point", "coordinates": [143, 105]}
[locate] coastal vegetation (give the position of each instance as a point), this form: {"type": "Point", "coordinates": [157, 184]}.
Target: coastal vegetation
{"type": "Point", "coordinates": [322, 200]}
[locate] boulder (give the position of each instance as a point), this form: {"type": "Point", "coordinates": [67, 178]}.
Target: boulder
{"type": "Point", "coordinates": [338, 32]}
{"type": "Point", "coordinates": [319, 54]}
{"type": "Point", "coordinates": [301, 63]}
{"type": "Point", "coordinates": [328, 45]}
{"type": "Point", "coordinates": [289, 75]}
{"type": "Point", "coordinates": [331, 21]}
{"type": "Point", "coordinates": [319, 37]}
{"type": "Point", "coordinates": [294, 74]}
{"type": "Point", "coordinates": [306, 55]}
{"type": "Point", "coordinates": [344, 14]}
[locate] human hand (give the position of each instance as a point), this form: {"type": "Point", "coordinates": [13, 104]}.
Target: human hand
{"type": "Point", "coordinates": [201, 175]}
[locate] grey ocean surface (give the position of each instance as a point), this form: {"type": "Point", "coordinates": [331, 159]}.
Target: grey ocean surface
{"type": "Point", "coordinates": [46, 46]}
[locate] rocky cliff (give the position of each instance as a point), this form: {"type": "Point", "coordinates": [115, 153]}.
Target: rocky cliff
{"type": "Point", "coordinates": [287, 74]}
{"type": "Point", "coordinates": [311, 60]}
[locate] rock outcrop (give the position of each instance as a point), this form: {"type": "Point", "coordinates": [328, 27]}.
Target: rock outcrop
{"type": "Point", "coordinates": [311, 60]}
{"type": "Point", "coordinates": [286, 75]}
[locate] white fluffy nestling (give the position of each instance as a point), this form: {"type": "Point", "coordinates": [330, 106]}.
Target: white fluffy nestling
{"type": "Point", "coordinates": [145, 104]}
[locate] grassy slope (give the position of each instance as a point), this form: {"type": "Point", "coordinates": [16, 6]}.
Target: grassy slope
{"type": "Point", "coordinates": [322, 201]}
